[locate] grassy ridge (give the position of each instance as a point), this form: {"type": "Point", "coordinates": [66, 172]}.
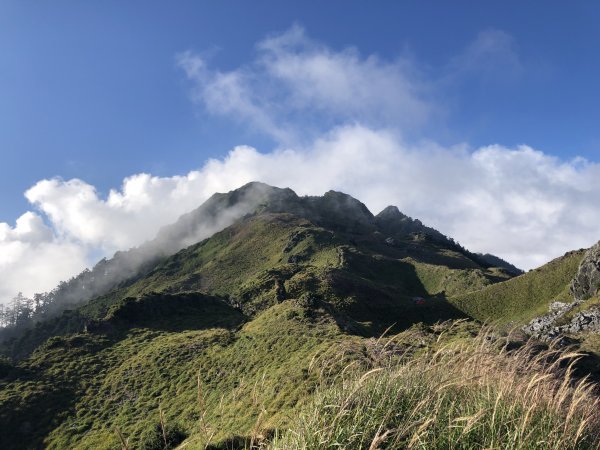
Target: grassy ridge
{"type": "Point", "coordinates": [359, 276]}
{"type": "Point", "coordinates": [520, 299]}
{"type": "Point", "coordinates": [229, 336]}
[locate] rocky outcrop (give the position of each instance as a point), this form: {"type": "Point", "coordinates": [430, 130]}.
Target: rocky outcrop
{"type": "Point", "coordinates": [586, 283]}
{"type": "Point", "coordinates": [588, 320]}
{"type": "Point", "coordinates": [546, 328]}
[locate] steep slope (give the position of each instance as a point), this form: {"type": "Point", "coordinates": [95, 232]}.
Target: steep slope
{"type": "Point", "coordinates": [368, 268]}
{"type": "Point", "coordinates": [251, 319]}
{"type": "Point", "coordinates": [559, 302]}
{"type": "Point", "coordinates": [218, 212]}
{"type": "Point", "coordinates": [520, 299]}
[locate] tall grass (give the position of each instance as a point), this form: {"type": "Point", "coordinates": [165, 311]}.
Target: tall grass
{"type": "Point", "coordinates": [465, 395]}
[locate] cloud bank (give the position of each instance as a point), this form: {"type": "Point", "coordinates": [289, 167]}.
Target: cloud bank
{"type": "Point", "coordinates": [340, 121]}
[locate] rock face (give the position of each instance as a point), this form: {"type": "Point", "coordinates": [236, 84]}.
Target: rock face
{"type": "Point", "coordinates": [546, 328]}
{"type": "Point", "coordinates": [587, 282]}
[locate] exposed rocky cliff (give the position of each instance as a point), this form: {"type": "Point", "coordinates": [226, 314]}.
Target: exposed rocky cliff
{"type": "Point", "coordinates": [587, 282]}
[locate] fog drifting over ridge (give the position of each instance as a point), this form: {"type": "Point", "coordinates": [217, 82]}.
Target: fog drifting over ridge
{"type": "Point", "coordinates": [521, 204]}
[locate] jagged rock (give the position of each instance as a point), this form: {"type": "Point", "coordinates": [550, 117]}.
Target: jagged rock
{"type": "Point", "coordinates": [585, 321]}
{"type": "Point", "coordinates": [544, 327]}
{"type": "Point", "coordinates": [560, 307]}
{"type": "Point", "coordinates": [587, 281]}
{"type": "Point", "coordinates": [392, 221]}
{"type": "Point", "coordinates": [391, 213]}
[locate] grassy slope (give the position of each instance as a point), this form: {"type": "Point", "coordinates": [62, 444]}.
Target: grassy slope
{"type": "Point", "coordinates": [358, 275]}
{"type": "Point", "coordinates": [520, 299]}
{"type": "Point", "coordinates": [281, 370]}
{"type": "Point", "coordinates": [122, 380]}
{"type": "Point", "coordinates": [150, 338]}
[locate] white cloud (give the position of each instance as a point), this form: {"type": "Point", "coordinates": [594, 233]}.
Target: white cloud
{"type": "Point", "coordinates": [33, 260]}
{"type": "Point", "coordinates": [296, 85]}
{"type": "Point", "coordinates": [519, 203]}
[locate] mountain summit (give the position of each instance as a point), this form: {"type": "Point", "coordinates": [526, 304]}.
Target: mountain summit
{"type": "Point", "coordinates": [350, 226]}
{"type": "Point", "coordinates": [253, 285]}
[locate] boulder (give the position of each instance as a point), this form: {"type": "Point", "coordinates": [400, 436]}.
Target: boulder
{"type": "Point", "coordinates": [586, 283]}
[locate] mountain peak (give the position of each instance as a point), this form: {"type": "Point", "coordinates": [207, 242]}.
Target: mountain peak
{"type": "Point", "coordinates": [390, 212]}
{"type": "Point", "coordinates": [345, 201]}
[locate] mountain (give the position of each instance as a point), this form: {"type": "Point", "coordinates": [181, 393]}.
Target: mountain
{"type": "Point", "coordinates": [231, 323]}
{"type": "Point", "coordinates": [368, 268]}
{"type": "Point", "coordinates": [494, 260]}
{"type": "Point", "coordinates": [218, 212]}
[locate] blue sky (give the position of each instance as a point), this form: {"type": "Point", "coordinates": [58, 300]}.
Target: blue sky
{"type": "Point", "coordinates": [91, 89]}
{"type": "Point", "coordinates": [480, 118]}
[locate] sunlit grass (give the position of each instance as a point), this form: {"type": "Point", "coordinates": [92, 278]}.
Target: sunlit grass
{"type": "Point", "coordinates": [464, 395]}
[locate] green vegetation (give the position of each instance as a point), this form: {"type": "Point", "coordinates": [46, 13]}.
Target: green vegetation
{"type": "Point", "coordinates": [464, 396]}
{"type": "Point", "coordinates": [520, 299]}
{"type": "Point", "coordinates": [121, 382]}
{"type": "Point", "coordinates": [306, 324]}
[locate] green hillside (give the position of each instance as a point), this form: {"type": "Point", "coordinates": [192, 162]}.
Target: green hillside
{"type": "Point", "coordinates": [277, 381]}
{"type": "Point", "coordinates": [121, 380]}
{"type": "Point", "coordinates": [520, 299]}
{"type": "Point", "coordinates": [229, 342]}
{"type": "Point", "coordinates": [366, 269]}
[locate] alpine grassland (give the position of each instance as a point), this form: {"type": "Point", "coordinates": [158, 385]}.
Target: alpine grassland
{"type": "Point", "coordinates": [522, 298]}
{"type": "Point", "coordinates": [472, 393]}
{"type": "Point", "coordinates": [305, 323]}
